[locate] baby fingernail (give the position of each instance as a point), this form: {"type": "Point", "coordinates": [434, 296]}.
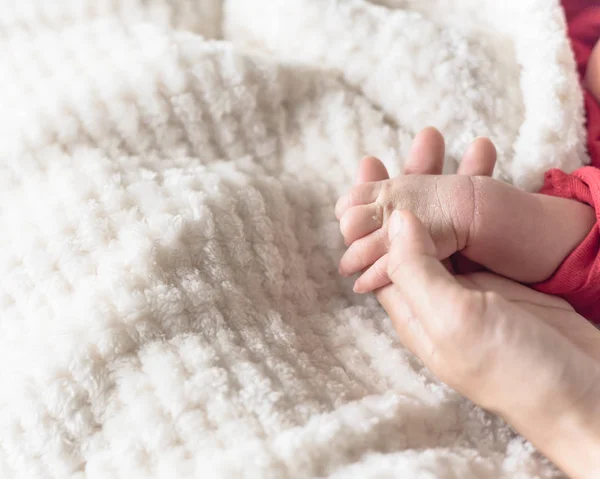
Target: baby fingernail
{"type": "Point", "coordinates": [396, 224]}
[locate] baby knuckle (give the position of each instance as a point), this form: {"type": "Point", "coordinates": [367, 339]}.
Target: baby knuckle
{"type": "Point", "coordinates": [378, 214]}
{"type": "Point", "coordinates": [385, 194]}
{"type": "Point", "coordinates": [355, 196]}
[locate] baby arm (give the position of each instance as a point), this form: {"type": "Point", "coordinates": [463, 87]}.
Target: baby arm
{"type": "Point", "coordinates": [524, 236]}
{"type": "Point", "coordinates": [520, 235]}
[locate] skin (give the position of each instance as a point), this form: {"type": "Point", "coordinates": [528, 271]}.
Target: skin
{"type": "Point", "coordinates": [592, 74]}
{"type": "Point", "coordinates": [523, 355]}
{"type": "Point", "coordinates": [490, 223]}
{"type": "Point", "coordinates": [526, 356]}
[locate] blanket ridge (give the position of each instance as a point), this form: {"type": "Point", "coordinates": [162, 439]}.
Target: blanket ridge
{"type": "Point", "coordinates": [169, 298]}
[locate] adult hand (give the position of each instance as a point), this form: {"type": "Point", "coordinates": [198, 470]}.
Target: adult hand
{"type": "Point", "coordinates": [523, 355]}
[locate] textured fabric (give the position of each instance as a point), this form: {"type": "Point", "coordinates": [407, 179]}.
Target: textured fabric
{"type": "Point", "coordinates": [169, 298]}
{"type": "Point", "coordinates": [583, 25]}
{"type": "Point", "coordinates": [578, 278]}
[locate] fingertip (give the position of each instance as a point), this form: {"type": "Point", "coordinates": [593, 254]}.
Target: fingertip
{"type": "Point", "coordinates": [426, 153]}
{"type": "Point", "coordinates": [371, 169]}
{"type": "Point", "coordinates": [370, 160]}
{"type": "Point", "coordinates": [432, 133]}
{"type": "Point", "coordinates": [486, 145]}
{"type": "Point", "coordinates": [363, 284]}
{"type": "Point", "coordinates": [479, 159]}
{"type": "Point", "coordinates": [342, 271]}
{"type": "Point", "coordinates": [357, 288]}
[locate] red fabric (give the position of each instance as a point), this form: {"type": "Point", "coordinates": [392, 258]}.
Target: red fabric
{"type": "Point", "coordinates": [583, 24]}
{"type": "Point", "coordinates": [578, 278]}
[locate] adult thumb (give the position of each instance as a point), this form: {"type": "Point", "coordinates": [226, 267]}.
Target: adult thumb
{"type": "Point", "coordinates": [421, 279]}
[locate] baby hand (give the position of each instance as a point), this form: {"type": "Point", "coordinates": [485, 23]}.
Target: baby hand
{"type": "Point", "coordinates": [491, 224]}
{"type": "Point", "coordinates": [444, 204]}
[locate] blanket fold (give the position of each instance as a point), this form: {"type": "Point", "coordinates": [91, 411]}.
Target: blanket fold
{"type": "Point", "coordinates": [169, 298]}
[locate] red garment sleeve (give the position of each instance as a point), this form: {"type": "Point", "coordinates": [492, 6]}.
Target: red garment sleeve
{"type": "Point", "coordinates": [577, 279]}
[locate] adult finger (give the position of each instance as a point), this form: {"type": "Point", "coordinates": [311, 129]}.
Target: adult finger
{"type": "Point", "coordinates": [421, 279]}
{"type": "Point", "coordinates": [409, 329]}
{"type": "Point", "coordinates": [376, 275]}
{"type": "Point", "coordinates": [407, 323]}
{"type": "Point", "coordinates": [426, 154]}
{"type": "Point", "coordinates": [479, 159]}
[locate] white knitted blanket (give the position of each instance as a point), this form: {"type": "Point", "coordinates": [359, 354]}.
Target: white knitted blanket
{"type": "Point", "coordinates": [169, 302]}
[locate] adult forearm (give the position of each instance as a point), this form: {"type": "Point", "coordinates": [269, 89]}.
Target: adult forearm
{"type": "Point", "coordinates": [576, 448]}
{"type": "Point", "coordinates": [570, 439]}
{"type": "Point", "coordinates": [562, 418]}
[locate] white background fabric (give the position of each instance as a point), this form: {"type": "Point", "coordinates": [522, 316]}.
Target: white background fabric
{"type": "Point", "coordinates": [169, 301]}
